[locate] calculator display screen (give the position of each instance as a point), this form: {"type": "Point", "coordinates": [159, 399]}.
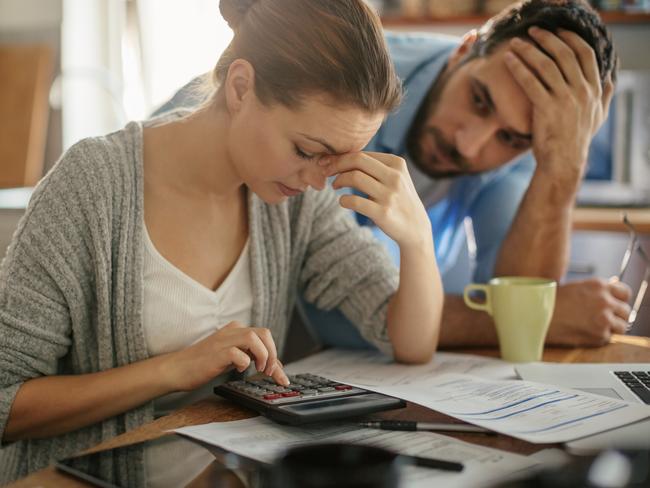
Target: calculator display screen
{"type": "Point", "coordinates": [326, 404]}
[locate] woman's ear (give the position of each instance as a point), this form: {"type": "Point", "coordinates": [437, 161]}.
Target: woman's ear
{"type": "Point", "coordinates": [239, 85]}
{"type": "Point", "coordinates": [461, 51]}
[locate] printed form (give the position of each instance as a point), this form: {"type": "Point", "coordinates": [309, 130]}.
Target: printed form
{"type": "Point", "coordinates": [530, 411]}
{"type": "Point", "coordinates": [264, 440]}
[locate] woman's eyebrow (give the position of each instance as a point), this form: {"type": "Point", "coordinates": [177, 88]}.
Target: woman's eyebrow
{"type": "Point", "coordinates": [323, 143]}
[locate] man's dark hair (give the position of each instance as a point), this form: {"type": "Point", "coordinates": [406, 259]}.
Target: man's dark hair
{"type": "Point", "coordinates": [572, 15]}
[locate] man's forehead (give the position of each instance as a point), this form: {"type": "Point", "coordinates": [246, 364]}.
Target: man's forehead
{"type": "Point", "coordinates": [491, 75]}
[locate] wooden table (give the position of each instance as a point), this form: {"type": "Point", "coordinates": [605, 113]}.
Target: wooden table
{"type": "Point", "coordinates": [622, 349]}
{"type": "Point", "coordinates": [611, 219]}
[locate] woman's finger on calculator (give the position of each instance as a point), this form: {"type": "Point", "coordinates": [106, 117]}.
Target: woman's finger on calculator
{"type": "Point", "coordinates": [266, 337]}
{"type": "Point", "coordinates": [258, 341]}
{"type": "Point", "coordinates": [252, 341]}
{"type": "Point", "coordinates": [279, 375]}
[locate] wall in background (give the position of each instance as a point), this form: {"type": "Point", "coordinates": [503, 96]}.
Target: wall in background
{"type": "Point", "coordinates": [91, 87]}
{"type": "Point", "coordinates": [632, 42]}
{"type": "Point", "coordinates": [180, 39]}
{"type": "Point", "coordinates": [29, 15]}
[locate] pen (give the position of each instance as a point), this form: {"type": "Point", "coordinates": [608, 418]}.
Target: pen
{"type": "Point", "coordinates": [425, 462]}
{"type": "Point", "coordinates": [423, 426]}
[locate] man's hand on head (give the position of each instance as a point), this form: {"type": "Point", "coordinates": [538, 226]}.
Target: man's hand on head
{"type": "Point", "coordinates": [560, 76]}
{"type": "Point", "coordinates": [588, 312]}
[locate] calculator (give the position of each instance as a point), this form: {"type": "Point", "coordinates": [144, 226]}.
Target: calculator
{"type": "Point", "coordinates": [308, 398]}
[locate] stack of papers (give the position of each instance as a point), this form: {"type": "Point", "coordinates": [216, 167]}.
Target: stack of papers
{"type": "Point", "coordinates": [478, 390]}
{"type": "Point", "coordinates": [471, 388]}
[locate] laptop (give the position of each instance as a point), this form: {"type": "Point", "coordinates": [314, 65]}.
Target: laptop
{"type": "Point", "coordinates": [624, 381]}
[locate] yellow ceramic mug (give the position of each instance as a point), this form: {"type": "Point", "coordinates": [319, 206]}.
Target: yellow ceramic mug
{"type": "Point", "coordinates": [522, 309]}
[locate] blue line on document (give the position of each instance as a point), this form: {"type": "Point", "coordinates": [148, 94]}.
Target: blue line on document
{"type": "Point", "coordinates": [504, 407]}
{"type": "Point", "coordinates": [572, 421]}
{"type": "Point", "coordinates": [527, 409]}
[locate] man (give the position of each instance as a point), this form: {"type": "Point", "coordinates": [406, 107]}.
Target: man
{"type": "Point", "coordinates": [496, 127]}
{"type": "Point", "coordinates": [471, 110]}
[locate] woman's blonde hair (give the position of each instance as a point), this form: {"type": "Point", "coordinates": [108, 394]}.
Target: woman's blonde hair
{"type": "Point", "coordinates": [305, 47]}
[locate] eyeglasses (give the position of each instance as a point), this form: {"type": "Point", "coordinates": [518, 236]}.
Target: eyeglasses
{"type": "Point", "coordinates": [634, 246]}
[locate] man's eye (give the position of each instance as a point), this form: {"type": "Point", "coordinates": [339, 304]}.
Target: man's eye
{"type": "Point", "coordinates": [302, 154]}
{"type": "Point", "coordinates": [508, 139]}
{"type": "Point", "coordinates": [505, 137]}
{"type": "Point", "coordinates": [479, 103]}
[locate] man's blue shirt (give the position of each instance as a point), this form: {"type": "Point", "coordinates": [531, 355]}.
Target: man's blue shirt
{"type": "Point", "coordinates": [490, 199]}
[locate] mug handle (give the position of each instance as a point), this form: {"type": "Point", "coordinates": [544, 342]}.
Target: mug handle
{"type": "Point", "coordinates": [484, 307]}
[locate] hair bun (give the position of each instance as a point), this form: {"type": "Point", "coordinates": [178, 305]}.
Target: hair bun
{"type": "Point", "coordinates": [233, 11]}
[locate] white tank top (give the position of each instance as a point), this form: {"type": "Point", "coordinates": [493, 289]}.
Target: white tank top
{"type": "Point", "coordinates": [178, 312]}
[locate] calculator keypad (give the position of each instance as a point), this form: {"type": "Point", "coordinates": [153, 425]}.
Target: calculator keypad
{"type": "Point", "coordinates": [302, 387]}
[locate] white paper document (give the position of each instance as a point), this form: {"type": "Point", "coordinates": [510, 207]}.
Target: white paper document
{"type": "Point", "coordinates": [530, 411]}
{"type": "Point", "coordinates": [374, 368]}
{"type": "Point", "coordinates": [261, 439]}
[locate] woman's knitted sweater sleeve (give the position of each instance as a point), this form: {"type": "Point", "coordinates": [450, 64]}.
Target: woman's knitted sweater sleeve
{"type": "Point", "coordinates": [346, 268]}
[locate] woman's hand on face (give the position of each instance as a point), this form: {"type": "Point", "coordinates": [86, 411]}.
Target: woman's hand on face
{"type": "Point", "coordinates": [392, 202]}
{"type": "Point", "coordinates": [234, 345]}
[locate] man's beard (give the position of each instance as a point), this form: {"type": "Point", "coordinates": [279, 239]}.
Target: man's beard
{"type": "Point", "coordinates": [417, 131]}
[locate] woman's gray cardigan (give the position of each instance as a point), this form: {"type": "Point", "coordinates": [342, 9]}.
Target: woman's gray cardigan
{"type": "Point", "coordinates": [71, 284]}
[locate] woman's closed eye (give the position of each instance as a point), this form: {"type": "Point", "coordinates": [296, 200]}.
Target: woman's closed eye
{"type": "Point", "coordinates": [302, 154]}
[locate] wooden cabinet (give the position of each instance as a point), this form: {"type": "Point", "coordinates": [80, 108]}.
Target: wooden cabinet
{"type": "Point", "coordinates": [25, 78]}
{"type": "Point", "coordinates": [396, 20]}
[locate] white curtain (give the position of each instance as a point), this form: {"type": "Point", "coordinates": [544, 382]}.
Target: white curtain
{"type": "Point", "coordinates": [180, 39]}
{"type": "Point", "coordinates": [91, 71]}
{"type": "Point", "coordinates": [123, 58]}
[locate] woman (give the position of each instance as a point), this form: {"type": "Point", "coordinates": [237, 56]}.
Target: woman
{"type": "Point", "coordinates": [155, 259]}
